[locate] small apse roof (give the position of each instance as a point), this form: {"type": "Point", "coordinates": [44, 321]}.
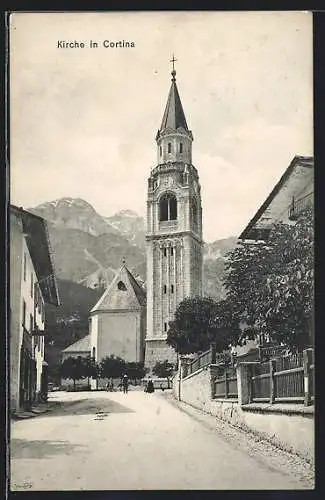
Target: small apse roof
{"type": "Point", "coordinates": [82, 345]}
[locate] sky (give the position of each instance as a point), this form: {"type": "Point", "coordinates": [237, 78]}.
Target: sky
{"type": "Point", "coordinates": [83, 120]}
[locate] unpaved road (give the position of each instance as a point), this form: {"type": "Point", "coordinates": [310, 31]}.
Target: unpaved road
{"type": "Point", "coordinates": [115, 441]}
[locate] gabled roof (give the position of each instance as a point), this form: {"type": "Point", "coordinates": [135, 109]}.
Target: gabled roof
{"type": "Point", "coordinates": [38, 243]}
{"type": "Point", "coordinates": [298, 174]}
{"type": "Point", "coordinates": [82, 345]}
{"type": "Point", "coordinates": [124, 293]}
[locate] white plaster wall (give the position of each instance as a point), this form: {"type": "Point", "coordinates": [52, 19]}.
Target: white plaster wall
{"type": "Point", "coordinates": [94, 335]}
{"type": "Point", "coordinates": [119, 334]}
{"type": "Point", "coordinates": [94, 344]}
{"type": "Point", "coordinates": [295, 432]}
{"type": "Point", "coordinates": [196, 389]}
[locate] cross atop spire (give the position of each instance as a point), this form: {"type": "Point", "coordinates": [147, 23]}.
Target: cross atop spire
{"type": "Point", "coordinates": [173, 117]}
{"type": "Point", "coordinates": [173, 60]}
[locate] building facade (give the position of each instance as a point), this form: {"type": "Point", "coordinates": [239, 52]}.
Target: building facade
{"type": "Point", "coordinates": [32, 285]}
{"type": "Point", "coordinates": [118, 320]}
{"type": "Point", "coordinates": [292, 194]}
{"type": "Point", "coordinates": [174, 242]}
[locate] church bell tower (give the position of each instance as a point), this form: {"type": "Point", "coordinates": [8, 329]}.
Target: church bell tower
{"type": "Point", "coordinates": [174, 228]}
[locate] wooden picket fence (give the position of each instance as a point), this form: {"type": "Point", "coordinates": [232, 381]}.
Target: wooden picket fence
{"type": "Point", "coordinates": [284, 379]}
{"type": "Point", "coordinates": [225, 386]}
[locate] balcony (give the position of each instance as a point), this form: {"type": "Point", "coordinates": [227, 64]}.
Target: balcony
{"type": "Point", "coordinates": [299, 205]}
{"type": "Point", "coordinates": [167, 225]}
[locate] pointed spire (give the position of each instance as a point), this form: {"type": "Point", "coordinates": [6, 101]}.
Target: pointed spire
{"type": "Point", "coordinates": [174, 116]}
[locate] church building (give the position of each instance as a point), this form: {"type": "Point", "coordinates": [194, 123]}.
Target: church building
{"type": "Point", "coordinates": [118, 320]}
{"type": "Point", "coordinates": [174, 228]}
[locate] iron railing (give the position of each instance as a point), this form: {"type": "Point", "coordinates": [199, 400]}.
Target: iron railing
{"type": "Point", "coordinates": [201, 361]}
{"type": "Point", "coordinates": [298, 206]}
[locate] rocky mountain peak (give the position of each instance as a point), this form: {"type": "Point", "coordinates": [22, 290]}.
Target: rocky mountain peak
{"type": "Point", "coordinates": [74, 213]}
{"type": "Point", "coordinates": [127, 213]}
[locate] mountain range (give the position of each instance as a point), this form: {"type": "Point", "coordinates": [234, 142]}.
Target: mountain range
{"type": "Point", "coordinates": [88, 248]}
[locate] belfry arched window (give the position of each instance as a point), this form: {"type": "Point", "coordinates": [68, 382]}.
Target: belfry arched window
{"type": "Point", "coordinates": [169, 147]}
{"type": "Point", "coordinates": [168, 207]}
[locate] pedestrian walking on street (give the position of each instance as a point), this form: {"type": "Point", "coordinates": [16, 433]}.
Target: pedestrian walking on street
{"type": "Point", "coordinates": [150, 386]}
{"type": "Point", "coordinates": [110, 385]}
{"type": "Point", "coordinates": [125, 383]}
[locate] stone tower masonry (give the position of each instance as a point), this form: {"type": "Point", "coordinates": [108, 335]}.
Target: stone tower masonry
{"type": "Point", "coordinates": [174, 228]}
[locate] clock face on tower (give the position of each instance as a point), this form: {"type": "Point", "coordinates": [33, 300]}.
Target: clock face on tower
{"type": "Point", "coordinates": [168, 182]}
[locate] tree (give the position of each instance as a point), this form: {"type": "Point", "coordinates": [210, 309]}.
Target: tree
{"type": "Point", "coordinates": [74, 368]}
{"type": "Point", "coordinates": [270, 284]}
{"type": "Point", "coordinates": [163, 369]}
{"type": "Point", "coordinates": [55, 373]}
{"type": "Point", "coordinates": [112, 366]}
{"type": "Point", "coordinates": [91, 368]}
{"type": "Point", "coordinates": [135, 370]}
{"type": "Point", "coordinates": [196, 325]}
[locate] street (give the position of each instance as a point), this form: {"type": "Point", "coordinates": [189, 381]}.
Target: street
{"type": "Point", "coordinates": [115, 441]}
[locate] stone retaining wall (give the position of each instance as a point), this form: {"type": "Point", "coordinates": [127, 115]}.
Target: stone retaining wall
{"type": "Point", "coordinates": [289, 426]}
